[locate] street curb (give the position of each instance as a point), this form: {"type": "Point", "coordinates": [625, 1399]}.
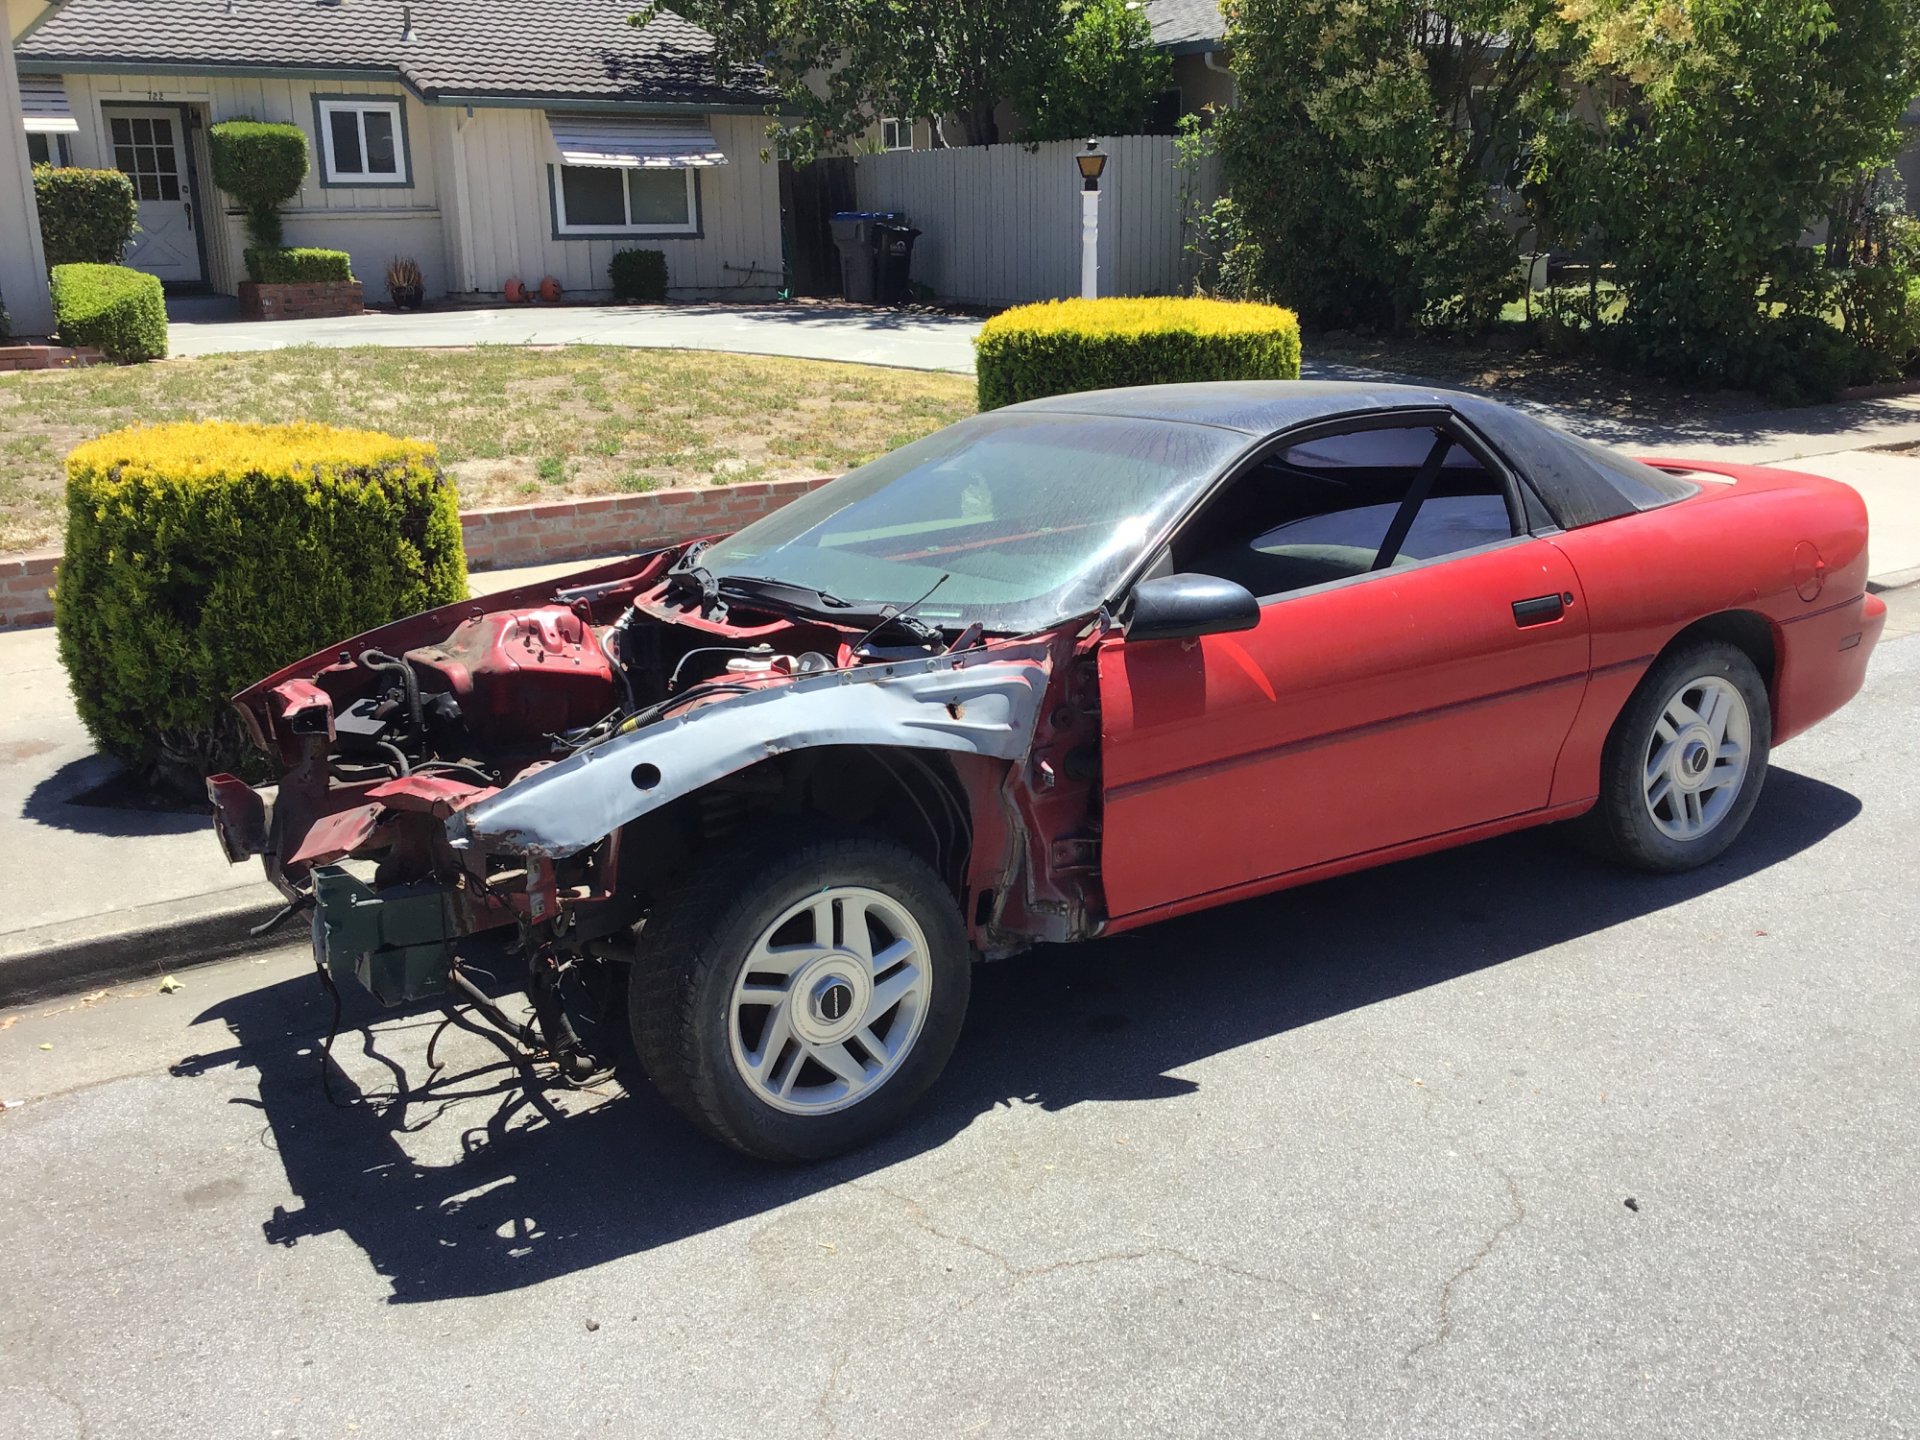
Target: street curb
{"type": "Point", "coordinates": [1895, 580]}
{"type": "Point", "coordinates": [142, 942]}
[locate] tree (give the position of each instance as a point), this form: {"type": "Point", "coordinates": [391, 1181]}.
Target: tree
{"type": "Point", "coordinates": [1099, 75]}
{"type": "Point", "coordinates": [1365, 159]}
{"type": "Point", "coordinates": [1707, 140]}
{"type": "Point", "coordinates": [839, 65]}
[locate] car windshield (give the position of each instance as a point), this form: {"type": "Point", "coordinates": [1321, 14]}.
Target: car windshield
{"type": "Point", "coordinates": [1033, 519]}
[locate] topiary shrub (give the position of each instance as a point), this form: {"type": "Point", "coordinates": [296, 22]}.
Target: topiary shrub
{"type": "Point", "coordinates": [261, 166]}
{"type": "Point", "coordinates": [298, 267]}
{"type": "Point", "coordinates": [638, 275]}
{"type": "Point", "coordinates": [120, 312]}
{"type": "Point", "coordinates": [1068, 345]}
{"type": "Point", "coordinates": [200, 557]}
{"type": "Point", "coordinates": [86, 216]}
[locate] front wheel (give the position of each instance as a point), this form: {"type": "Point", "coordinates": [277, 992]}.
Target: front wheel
{"type": "Point", "coordinates": [1684, 763]}
{"type": "Point", "coordinates": [795, 1001]}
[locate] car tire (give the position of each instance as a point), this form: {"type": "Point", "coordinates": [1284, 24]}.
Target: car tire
{"type": "Point", "coordinates": [1698, 717]}
{"type": "Point", "coordinates": [735, 964]}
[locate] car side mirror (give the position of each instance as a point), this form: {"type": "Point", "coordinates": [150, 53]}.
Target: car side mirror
{"type": "Point", "coordinates": [1181, 607]}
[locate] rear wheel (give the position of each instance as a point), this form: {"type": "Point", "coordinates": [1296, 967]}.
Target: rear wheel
{"type": "Point", "coordinates": [1685, 761]}
{"type": "Point", "coordinates": [796, 1001]}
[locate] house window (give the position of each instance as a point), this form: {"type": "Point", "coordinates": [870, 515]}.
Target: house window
{"type": "Point", "coordinates": [48, 150]}
{"type": "Point", "coordinates": [144, 152]}
{"type": "Point", "coordinates": [363, 141]}
{"type": "Point", "coordinates": [896, 134]}
{"type": "Point", "coordinates": [608, 200]}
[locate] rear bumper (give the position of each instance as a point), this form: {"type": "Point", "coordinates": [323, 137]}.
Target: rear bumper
{"type": "Point", "coordinates": [1823, 662]}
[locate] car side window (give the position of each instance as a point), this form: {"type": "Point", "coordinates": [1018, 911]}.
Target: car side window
{"type": "Point", "coordinates": [1345, 504]}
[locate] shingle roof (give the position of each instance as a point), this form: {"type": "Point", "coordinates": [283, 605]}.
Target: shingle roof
{"type": "Point", "coordinates": [1185, 24]}
{"type": "Point", "coordinates": [535, 50]}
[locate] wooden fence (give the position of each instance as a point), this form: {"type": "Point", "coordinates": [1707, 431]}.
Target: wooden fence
{"type": "Point", "coordinates": [1000, 224]}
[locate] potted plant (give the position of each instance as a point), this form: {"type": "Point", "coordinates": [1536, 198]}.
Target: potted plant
{"type": "Point", "coordinates": [405, 284]}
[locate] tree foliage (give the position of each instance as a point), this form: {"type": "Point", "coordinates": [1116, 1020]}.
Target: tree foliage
{"type": "Point", "coordinates": [1097, 74]}
{"type": "Point", "coordinates": [1363, 156]}
{"type": "Point", "coordinates": [1703, 141]}
{"type": "Point", "coordinates": [841, 64]}
{"type": "Point", "coordinates": [262, 166]}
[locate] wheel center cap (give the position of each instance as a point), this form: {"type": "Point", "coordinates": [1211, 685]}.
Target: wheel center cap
{"type": "Point", "coordinates": [830, 999]}
{"type": "Point", "coordinates": [1695, 759]}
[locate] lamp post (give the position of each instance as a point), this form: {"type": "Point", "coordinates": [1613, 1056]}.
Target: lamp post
{"type": "Point", "coordinates": [1091, 164]}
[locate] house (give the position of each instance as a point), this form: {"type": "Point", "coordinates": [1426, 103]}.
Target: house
{"type": "Point", "coordinates": [486, 140]}
{"type": "Point", "coordinates": [1193, 33]}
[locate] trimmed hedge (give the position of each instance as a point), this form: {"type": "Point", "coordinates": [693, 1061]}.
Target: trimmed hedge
{"type": "Point", "coordinates": [1069, 345]}
{"type": "Point", "coordinates": [297, 267]}
{"type": "Point", "coordinates": [260, 165]}
{"type": "Point", "coordinates": [87, 217]}
{"type": "Point", "coordinates": [200, 557]}
{"type": "Point", "coordinates": [638, 275]}
{"type": "Point", "coordinates": [121, 312]}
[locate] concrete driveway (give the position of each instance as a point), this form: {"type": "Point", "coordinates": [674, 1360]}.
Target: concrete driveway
{"type": "Point", "coordinates": [209, 326]}
{"type": "Point", "coordinates": [1492, 1143]}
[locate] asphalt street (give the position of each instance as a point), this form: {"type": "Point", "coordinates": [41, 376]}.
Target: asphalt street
{"type": "Point", "coordinates": [1493, 1143]}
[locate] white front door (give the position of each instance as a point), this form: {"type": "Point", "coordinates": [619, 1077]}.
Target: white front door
{"type": "Point", "coordinates": [149, 148]}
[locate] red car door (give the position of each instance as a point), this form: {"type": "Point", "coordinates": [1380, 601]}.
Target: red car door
{"type": "Point", "coordinates": [1392, 708]}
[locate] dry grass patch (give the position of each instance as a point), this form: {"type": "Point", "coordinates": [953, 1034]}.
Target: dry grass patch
{"type": "Point", "coordinates": [513, 424]}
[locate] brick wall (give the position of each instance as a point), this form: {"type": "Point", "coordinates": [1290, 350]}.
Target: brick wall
{"type": "Point", "coordinates": [514, 535]}
{"type": "Point", "coordinates": [47, 357]}
{"type": "Point", "coordinates": [617, 524]}
{"type": "Point", "coordinates": [321, 299]}
{"type": "Point", "coordinates": [24, 582]}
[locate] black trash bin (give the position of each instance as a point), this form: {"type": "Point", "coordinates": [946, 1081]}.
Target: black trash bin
{"type": "Point", "coordinates": [896, 261]}
{"type": "Point", "coordinates": [854, 235]}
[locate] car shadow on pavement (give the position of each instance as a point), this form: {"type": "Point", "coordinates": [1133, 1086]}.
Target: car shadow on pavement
{"type": "Point", "coordinates": [521, 1191]}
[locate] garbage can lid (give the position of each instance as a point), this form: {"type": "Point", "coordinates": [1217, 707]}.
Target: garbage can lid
{"type": "Point", "coordinates": [852, 215]}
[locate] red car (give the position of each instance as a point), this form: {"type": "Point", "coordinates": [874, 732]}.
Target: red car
{"type": "Point", "coordinates": [1052, 673]}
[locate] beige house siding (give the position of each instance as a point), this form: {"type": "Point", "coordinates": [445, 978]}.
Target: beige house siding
{"type": "Point", "coordinates": [478, 211]}
{"type": "Point", "coordinates": [501, 159]}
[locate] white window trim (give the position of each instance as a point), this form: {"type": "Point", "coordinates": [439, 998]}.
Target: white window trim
{"type": "Point", "coordinates": [905, 125]}
{"type": "Point", "coordinates": [358, 107]}
{"type": "Point", "coordinates": [561, 227]}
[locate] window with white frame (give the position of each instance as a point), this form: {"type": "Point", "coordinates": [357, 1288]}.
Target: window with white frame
{"type": "Point", "coordinates": [48, 150]}
{"type": "Point", "coordinates": [625, 200]}
{"type": "Point", "coordinates": [363, 141]}
{"type": "Point", "coordinates": [896, 134]}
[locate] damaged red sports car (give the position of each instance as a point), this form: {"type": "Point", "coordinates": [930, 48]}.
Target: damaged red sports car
{"type": "Point", "coordinates": [1052, 673]}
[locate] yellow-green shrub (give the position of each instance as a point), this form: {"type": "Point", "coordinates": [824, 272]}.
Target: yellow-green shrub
{"type": "Point", "coordinates": [201, 557]}
{"type": "Point", "coordinates": [1068, 345]}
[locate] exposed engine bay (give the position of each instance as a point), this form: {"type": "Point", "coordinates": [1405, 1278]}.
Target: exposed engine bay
{"type": "Point", "coordinates": [537, 769]}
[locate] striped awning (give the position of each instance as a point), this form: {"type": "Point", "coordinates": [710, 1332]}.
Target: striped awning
{"type": "Point", "coordinates": [43, 104]}
{"type": "Point", "coordinates": [634, 143]}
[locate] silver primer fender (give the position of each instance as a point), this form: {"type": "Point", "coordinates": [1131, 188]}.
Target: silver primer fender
{"type": "Point", "coordinates": [978, 702]}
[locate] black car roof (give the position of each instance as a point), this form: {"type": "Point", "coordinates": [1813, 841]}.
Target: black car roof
{"type": "Point", "coordinates": [1576, 490]}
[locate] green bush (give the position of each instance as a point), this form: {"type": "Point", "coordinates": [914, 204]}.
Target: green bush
{"type": "Point", "coordinates": [1068, 345]}
{"type": "Point", "coordinates": [86, 216]}
{"type": "Point", "coordinates": [200, 557]}
{"type": "Point", "coordinates": [121, 312]}
{"type": "Point", "coordinates": [638, 275]}
{"type": "Point", "coordinates": [261, 166]}
{"type": "Point", "coordinates": [298, 267]}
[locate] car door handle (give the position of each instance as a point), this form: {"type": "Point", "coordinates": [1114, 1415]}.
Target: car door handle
{"type": "Point", "coordinates": [1541, 610]}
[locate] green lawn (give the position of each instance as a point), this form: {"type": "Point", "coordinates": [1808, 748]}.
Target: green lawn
{"type": "Point", "coordinates": [512, 423]}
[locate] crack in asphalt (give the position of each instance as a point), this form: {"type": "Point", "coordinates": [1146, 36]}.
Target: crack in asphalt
{"type": "Point", "coordinates": [820, 1411]}
{"type": "Point", "coordinates": [917, 1213]}
{"type": "Point", "coordinates": [1501, 1231]}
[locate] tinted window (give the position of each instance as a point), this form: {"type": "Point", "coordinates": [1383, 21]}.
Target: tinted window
{"type": "Point", "coordinates": [1034, 518]}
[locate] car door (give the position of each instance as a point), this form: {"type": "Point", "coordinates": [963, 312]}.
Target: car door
{"type": "Point", "coordinates": [1362, 713]}
{"type": "Point", "coordinates": [149, 148]}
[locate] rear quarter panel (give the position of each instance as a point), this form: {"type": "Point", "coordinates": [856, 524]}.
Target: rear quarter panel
{"type": "Point", "coordinates": [1731, 548]}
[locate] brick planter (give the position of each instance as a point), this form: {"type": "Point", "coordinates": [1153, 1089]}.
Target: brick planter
{"type": "Point", "coordinates": [300, 302]}
{"type": "Point", "coordinates": [603, 527]}
{"type": "Point", "coordinates": [47, 357]}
